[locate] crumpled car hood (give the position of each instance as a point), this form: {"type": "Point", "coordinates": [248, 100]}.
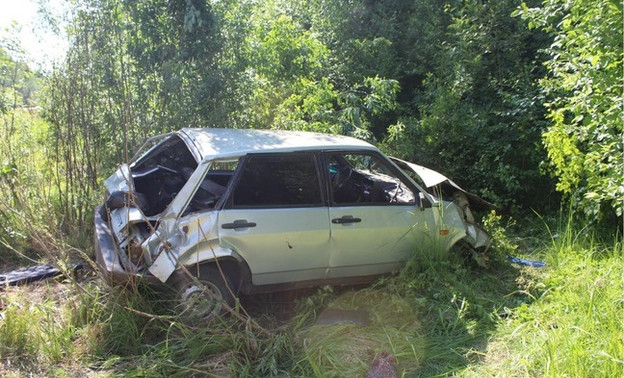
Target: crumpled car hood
{"type": "Point", "coordinates": [120, 180]}
{"type": "Point", "coordinates": [431, 179]}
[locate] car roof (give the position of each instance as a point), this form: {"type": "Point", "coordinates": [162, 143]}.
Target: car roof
{"type": "Point", "coordinates": [211, 142]}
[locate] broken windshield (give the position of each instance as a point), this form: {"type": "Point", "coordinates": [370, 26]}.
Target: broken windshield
{"type": "Point", "coordinates": [160, 174]}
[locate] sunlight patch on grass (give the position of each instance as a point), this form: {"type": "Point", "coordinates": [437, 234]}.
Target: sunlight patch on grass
{"type": "Point", "coordinates": [575, 326]}
{"type": "Point", "coordinates": [346, 350]}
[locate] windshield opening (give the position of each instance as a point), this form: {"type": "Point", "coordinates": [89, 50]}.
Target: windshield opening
{"type": "Point", "coordinates": [160, 174]}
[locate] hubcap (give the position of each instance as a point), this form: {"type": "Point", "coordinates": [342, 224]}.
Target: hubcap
{"type": "Point", "coordinates": [200, 301]}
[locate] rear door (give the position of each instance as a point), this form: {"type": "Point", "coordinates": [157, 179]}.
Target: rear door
{"type": "Point", "coordinates": [276, 218]}
{"type": "Point", "coordinates": [376, 220]}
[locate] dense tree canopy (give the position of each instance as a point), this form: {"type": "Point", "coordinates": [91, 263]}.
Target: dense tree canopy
{"type": "Point", "coordinates": [584, 89]}
{"type": "Point", "coordinates": [459, 86]}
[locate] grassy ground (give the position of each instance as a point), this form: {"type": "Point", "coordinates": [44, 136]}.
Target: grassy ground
{"type": "Point", "coordinates": [439, 317]}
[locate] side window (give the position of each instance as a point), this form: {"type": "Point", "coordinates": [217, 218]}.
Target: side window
{"type": "Point", "coordinates": [213, 186]}
{"type": "Point", "coordinates": [365, 178]}
{"type": "Point", "coordinates": [278, 180]}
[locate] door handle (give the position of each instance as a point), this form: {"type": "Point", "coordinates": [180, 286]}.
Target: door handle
{"type": "Point", "coordinates": [239, 223]}
{"type": "Point", "coordinates": [346, 219]}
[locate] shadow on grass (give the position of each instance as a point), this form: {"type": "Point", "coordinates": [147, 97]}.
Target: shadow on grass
{"type": "Point", "coordinates": [461, 308]}
{"type": "Point", "coordinates": [447, 314]}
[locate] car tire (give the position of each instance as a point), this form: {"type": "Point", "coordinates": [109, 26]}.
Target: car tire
{"type": "Point", "coordinates": [203, 297]}
{"type": "Point", "coordinates": [468, 254]}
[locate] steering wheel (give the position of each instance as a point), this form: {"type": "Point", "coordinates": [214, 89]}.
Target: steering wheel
{"type": "Point", "coordinates": [342, 175]}
{"type": "Point", "coordinates": [152, 170]}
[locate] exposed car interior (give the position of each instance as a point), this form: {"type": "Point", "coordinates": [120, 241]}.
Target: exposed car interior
{"type": "Point", "coordinates": [160, 174]}
{"type": "Point", "coordinates": [355, 178]}
{"type": "Point", "coordinates": [278, 180]}
{"type": "Point", "coordinates": [362, 178]}
{"type": "Point", "coordinates": [213, 187]}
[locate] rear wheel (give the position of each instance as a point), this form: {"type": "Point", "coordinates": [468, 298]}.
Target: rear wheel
{"type": "Point", "coordinates": [201, 298]}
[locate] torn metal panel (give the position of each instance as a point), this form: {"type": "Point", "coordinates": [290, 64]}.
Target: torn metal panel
{"type": "Point", "coordinates": [433, 179]}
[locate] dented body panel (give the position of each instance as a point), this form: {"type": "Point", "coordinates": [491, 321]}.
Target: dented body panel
{"type": "Point", "coordinates": [441, 185]}
{"type": "Point", "coordinates": [279, 207]}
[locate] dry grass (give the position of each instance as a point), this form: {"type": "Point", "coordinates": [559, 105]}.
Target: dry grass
{"type": "Point", "coordinates": [38, 332]}
{"type": "Point", "coordinates": [348, 349]}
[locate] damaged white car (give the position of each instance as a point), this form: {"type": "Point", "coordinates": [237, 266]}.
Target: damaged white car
{"type": "Point", "coordinates": [218, 212]}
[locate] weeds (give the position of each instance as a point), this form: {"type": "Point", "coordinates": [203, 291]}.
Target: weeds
{"type": "Point", "coordinates": [498, 229]}
{"type": "Point", "coordinates": [439, 316]}
{"type": "Point", "coordinates": [347, 349]}
{"type": "Point", "coordinates": [436, 318]}
{"type": "Point", "coordinates": [574, 326]}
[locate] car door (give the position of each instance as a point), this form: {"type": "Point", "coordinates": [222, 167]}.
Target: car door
{"type": "Point", "coordinates": [376, 218]}
{"type": "Point", "coordinates": [276, 218]}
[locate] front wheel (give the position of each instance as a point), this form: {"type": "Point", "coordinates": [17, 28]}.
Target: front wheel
{"type": "Point", "coordinates": [201, 298]}
{"type": "Point", "coordinates": [469, 254]}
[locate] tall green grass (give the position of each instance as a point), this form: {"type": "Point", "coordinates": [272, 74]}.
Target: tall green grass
{"type": "Point", "coordinates": [26, 184]}
{"type": "Point", "coordinates": [575, 325]}
{"type": "Point", "coordinates": [442, 315]}
{"type": "Point", "coordinates": [561, 320]}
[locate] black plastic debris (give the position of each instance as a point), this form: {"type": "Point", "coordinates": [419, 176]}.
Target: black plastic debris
{"type": "Point", "coordinates": [33, 273]}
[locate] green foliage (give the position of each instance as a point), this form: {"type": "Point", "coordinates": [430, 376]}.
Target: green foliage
{"type": "Point", "coordinates": [501, 242]}
{"type": "Point", "coordinates": [584, 89]}
{"type": "Point", "coordinates": [285, 84]}
{"type": "Point", "coordinates": [282, 84]}
{"type": "Point", "coordinates": [18, 83]}
{"type": "Point", "coordinates": [280, 49]}
{"type": "Point", "coordinates": [478, 116]}
{"type": "Point", "coordinates": [26, 189]}
{"type": "Point", "coordinates": [453, 87]}
{"type": "Point", "coordinates": [574, 326]}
